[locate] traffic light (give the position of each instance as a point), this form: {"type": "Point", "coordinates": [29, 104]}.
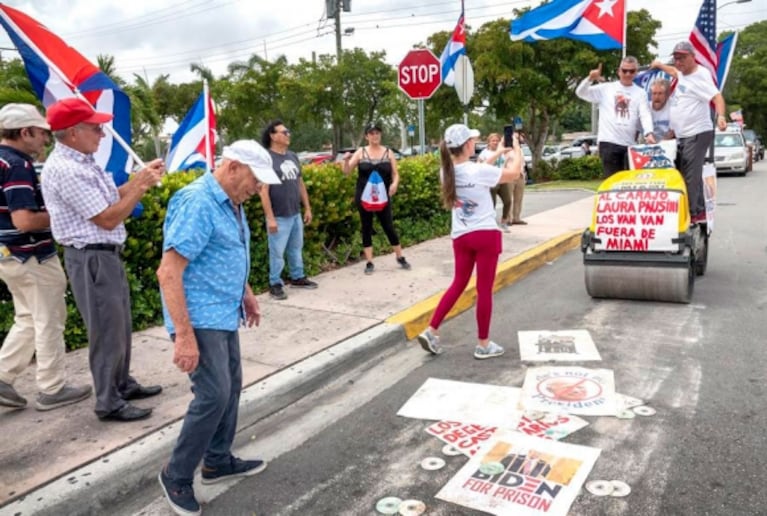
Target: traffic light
{"type": "Point", "coordinates": [347, 6]}
{"type": "Point", "coordinates": [330, 7]}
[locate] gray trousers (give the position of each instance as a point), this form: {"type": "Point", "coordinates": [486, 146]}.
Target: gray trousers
{"type": "Point", "coordinates": [691, 154]}
{"type": "Point", "coordinates": [100, 288]}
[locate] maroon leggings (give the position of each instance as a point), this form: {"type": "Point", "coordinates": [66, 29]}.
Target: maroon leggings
{"type": "Point", "coordinates": [480, 247]}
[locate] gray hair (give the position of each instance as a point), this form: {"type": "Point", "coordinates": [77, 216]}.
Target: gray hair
{"type": "Point", "coordinates": [630, 60]}
{"type": "Point", "coordinates": [663, 83]}
{"type": "Point", "coordinates": [60, 134]}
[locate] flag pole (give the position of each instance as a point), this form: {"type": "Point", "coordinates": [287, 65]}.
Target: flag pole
{"type": "Point", "coordinates": [77, 93]}
{"type": "Point", "coordinates": [206, 96]}
{"type": "Point", "coordinates": [625, 28]}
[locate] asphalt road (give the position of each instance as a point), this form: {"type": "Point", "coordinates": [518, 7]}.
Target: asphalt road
{"type": "Point", "coordinates": [701, 366]}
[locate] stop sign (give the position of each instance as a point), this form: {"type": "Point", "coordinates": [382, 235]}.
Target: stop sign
{"type": "Point", "coordinates": [419, 74]}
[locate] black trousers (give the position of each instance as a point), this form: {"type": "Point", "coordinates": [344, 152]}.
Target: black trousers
{"type": "Point", "coordinates": [614, 158]}
{"type": "Point", "coordinates": [387, 223]}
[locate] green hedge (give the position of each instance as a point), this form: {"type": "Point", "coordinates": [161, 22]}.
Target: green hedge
{"type": "Point", "coordinates": [332, 239]}
{"type": "Point", "coordinates": [582, 168]}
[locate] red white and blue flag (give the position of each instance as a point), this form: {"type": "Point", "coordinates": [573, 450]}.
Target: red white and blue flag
{"type": "Point", "coordinates": [57, 70]}
{"type": "Point", "coordinates": [194, 143]}
{"type": "Point", "coordinates": [600, 23]}
{"type": "Point", "coordinates": [703, 37]}
{"type": "Point", "coordinates": [456, 46]}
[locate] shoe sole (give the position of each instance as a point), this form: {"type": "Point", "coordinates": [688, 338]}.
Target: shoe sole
{"type": "Point", "coordinates": [249, 473]}
{"type": "Point", "coordinates": [426, 345]}
{"type": "Point", "coordinates": [278, 298]}
{"type": "Point", "coordinates": [484, 357]}
{"type": "Point", "coordinates": [5, 402]}
{"type": "Point", "coordinates": [175, 508]}
{"type": "Point", "coordinates": [43, 408]}
{"type": "Point", "coordinates": [307, 287]}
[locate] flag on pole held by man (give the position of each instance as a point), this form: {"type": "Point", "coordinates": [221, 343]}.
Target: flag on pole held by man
{"type": "Point", "coordinates": [600, 23]}
{"type": "Point", "coordinates": [194, 143]}
{"type": "Point", "coordinates": [645, 78]}
{"type": "Point", "coordinates": [725, 49]}
{"type": "Point", "coordinates": [703, 37]}
{"type": "Point", "coordinates": [57, 70]}
{"type": "Point", "coordinates": [456, 46]}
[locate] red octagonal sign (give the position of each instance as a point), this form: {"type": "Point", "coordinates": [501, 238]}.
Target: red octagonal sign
{"type": "Point", "coordinates": [419, 74]}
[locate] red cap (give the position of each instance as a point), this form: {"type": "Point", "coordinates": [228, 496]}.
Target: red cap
{"type": "Point", "coordinates": [72, 111]}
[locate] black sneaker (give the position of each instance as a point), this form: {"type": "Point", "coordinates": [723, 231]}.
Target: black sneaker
{"type": "Point", "coordinates": [369, 268]}
{"type": "Point", "coordinates": [235, 468]}
{"type": "Point", "coordinates": [403, 263]}
{"type": "Point", "coordinates": [277, 292]}
{"type": "Point", "coordinates": [180, 498]}
{"type": "Point", "coordinates": [303, 283]}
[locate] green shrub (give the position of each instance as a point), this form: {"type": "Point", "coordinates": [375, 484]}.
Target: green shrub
{"type": "Point", "coordinates": [332, 239]}
{"type": "Point", "coordinates": [583, 168]}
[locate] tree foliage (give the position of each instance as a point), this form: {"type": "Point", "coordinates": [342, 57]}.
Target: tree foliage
{"type": "Point", "coordinates": [746, 85]}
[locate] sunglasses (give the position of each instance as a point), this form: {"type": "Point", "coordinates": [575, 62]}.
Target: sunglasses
{"type": "Point", "coordinates": [629, 70]}
{"type": "Point", "coordinates": [286, 132]}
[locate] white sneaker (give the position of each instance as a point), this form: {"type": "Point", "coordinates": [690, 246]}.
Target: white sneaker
{"type": "Point", "coordinates": [492, 350]}
{"type": "Point", "coordinates": [430, 342]}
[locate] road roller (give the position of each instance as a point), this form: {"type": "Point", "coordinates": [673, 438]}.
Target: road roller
{"type": "Point", "coordinates": [641, 243]}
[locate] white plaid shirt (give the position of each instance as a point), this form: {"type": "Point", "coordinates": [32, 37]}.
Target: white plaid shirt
{"type": "Point", "coordinates": [76, 189]}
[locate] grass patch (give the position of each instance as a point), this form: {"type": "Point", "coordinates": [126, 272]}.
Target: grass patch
{"type": "Point", "coordinates": [590, 185]}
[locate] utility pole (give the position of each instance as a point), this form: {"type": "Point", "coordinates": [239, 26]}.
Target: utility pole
{"type": "Point", "coordinates": [338, 31]}
{"type": "Point", "coordinates": [333, 8]}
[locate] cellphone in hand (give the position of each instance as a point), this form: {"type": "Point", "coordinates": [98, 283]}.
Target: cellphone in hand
{"type": "Point", "coordinates": [508, 133]}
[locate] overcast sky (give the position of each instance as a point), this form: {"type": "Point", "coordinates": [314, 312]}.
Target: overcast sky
{"type": "Point", "coordinates": [152, 37]}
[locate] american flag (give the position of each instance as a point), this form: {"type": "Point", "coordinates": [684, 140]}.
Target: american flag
{"type": "Point", "coordinates": [703, 37]}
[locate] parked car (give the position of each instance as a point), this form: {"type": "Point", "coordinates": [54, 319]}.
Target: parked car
{"type": "Point", "coordinates": [731, 154]}
{"type": "Point", "coordinates": [314, 158]}
{"type": "Point", "coordinates": [753, 141]}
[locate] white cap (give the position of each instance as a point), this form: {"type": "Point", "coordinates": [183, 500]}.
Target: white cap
{"type": "Point", "coordinates": [19, 116]}
{"type": "Point", "coordinates": [252, 154]}
{"type": "Point", "coordinates": [458, 134]}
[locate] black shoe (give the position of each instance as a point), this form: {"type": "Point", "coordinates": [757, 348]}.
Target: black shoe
{"type": "Point", "coordinates": [303, 283]}
{"type": "Point", "coordinates": [180, 497]}
{"type": "Point", "coordinates": [403, 263]}
{"type": "Point", "coordinates": [369, 268]}
{"type": "Point", "coordinates": [277, 292]}
{"type": "Point", "coordinates": [138, 392]}
{"type": "Point", "coordinates": [127, 413]}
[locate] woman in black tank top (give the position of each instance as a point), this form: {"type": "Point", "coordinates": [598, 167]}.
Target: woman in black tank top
{"type": "Point", "coordinates": [375, 157]}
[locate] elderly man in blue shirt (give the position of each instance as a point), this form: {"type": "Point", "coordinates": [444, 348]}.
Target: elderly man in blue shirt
{"type": "Point", "coordinates": [203, 278]}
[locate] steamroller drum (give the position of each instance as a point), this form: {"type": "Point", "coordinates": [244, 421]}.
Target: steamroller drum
{"type": "Point", "coordinates": [652, 283]}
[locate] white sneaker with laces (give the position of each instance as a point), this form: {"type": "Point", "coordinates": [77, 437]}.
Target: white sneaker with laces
{"type": "Point", "coordinates": [430, 342]}
{"type": "Point", "coordinates": [492, 350]}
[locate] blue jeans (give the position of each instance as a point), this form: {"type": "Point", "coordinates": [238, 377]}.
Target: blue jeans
{"type": "Point", "coordinates": [287, 241]}
{"type": "Point", "coordinates": [211, 419]}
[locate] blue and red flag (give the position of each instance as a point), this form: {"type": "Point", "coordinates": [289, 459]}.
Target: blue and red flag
{"type": "Point", "coordinates": [57, 71]}
{"type": "Point", "coordinates": [725, 49]}
{"type": "Point", "coordinates": [194, 143]}
{"type": "Point", "coordinates": [456, 46]}
{"type": "Point", "coordinates": [600, 23]}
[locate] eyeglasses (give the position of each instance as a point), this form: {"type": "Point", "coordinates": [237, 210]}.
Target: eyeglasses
{"type": "Point", "coordinates": [680, 57]}
{"type": "Point", "coordinates": [629, 70]}
{"type": "Point", "coordinates": [286, 132]}
{"type": "Point", "coordinates": [96, 128]}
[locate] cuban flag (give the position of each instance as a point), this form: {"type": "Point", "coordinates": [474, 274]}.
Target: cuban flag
{"type": "Point", "coordinates": [455, 47]}
{"type": "Point", "coordinates": [194, 143]}
{"type": "Point", "coordinates": [725, 49]}
{"type": "Point", "coordinates": [645, 79]}
{"type": "Point", "coordinates": [600, 23]}
{"type": "Point", "coordinates": [57, 71]}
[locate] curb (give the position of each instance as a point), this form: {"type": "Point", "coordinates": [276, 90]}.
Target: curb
{"type": "Point", "coordinates": [98, 487]}
{"type": "Point", "coordinates": [416, 318]}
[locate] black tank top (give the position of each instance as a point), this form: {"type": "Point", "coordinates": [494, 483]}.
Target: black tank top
{"type": "Point", "coordinates": [366, 167]}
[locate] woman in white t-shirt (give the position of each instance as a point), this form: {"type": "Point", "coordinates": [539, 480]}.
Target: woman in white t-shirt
{"type": "Point", "coordinates": [476, 237]}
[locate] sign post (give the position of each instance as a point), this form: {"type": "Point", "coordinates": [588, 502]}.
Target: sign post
{"type": "Point", "coordinates": [419, 75]}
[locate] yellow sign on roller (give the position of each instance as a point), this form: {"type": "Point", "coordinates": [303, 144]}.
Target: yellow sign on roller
{"type": "Point", "coordinates": [640, 210]}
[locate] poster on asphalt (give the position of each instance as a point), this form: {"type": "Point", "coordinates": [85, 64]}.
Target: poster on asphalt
{"type": "Point", "coordinates": [467, 438]}
{"type": "Point", "coordinates": [570, 390]}
{"type": "Point", "coordinates": [477, 403]}
{"type": "Point", "coordinates": [558, 346]}
{"type": "Point", "coordinates": [520, 475]}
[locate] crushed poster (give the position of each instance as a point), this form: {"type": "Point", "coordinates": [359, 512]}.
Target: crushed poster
{"type": "Point", "coordinates": [520, 475]}
{"type": "Point", "coordinates": [558, 346]}
{"type": "Point", "coordinates": [571, 390]}
{"type": "Point", "coordinates": [467, 438]}
{"type": "Point", "coordinates": [477, 403]}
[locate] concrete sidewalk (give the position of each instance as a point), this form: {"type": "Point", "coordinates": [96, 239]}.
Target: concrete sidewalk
{"type": "Point", "coordinates": [68, 462]}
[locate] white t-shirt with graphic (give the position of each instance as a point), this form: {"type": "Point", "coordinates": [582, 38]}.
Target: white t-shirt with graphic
{"type": "Point", "coordinates": [661, 120]}
{"type": "Point", "coordinates": [473, 208]}
{"type": "Point", "coordinates": [690, 114]}
{"type": "Point", "coordinates": [623, 110]}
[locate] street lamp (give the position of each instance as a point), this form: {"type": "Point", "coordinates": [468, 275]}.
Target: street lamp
{"type": "Point", "coordinates": [733, 2]}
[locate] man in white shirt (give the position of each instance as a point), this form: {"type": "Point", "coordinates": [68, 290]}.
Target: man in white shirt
{"type": "Point", "coordinates": [623, 107]}
{"type": "Point", "coordinates": [691, 120]}
{"type": "Point", "coordinates": [660, 109]}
